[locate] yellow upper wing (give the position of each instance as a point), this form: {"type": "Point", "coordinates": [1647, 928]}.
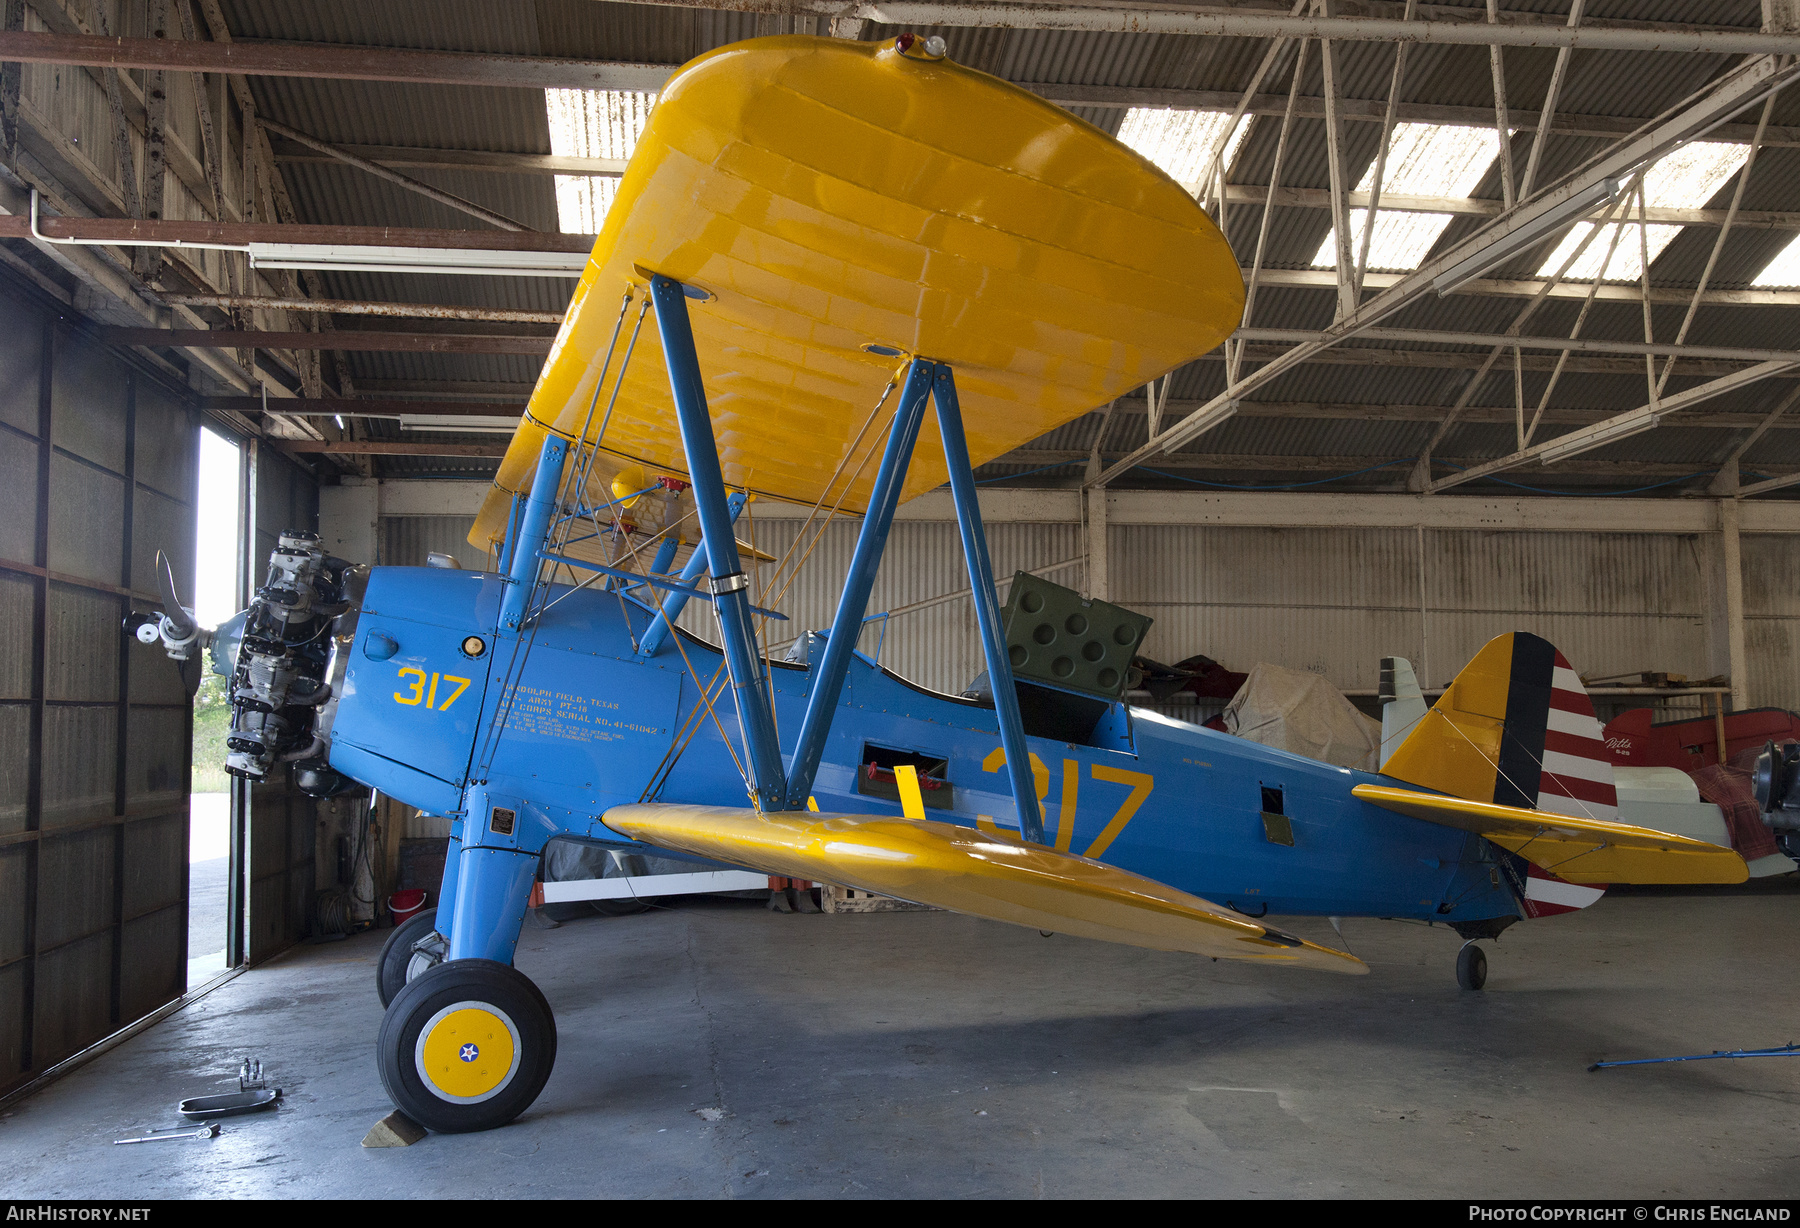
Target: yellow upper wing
{"type": "Point", "coordinates": [834, 195]}
{"type": "Point", "coordinates": [1579, 849]}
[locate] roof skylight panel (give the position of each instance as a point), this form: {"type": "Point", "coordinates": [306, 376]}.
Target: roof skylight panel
{"type": "Point", "coordinates": [1783, 272]}
{"type": "Point", "coordinates": [1180, 142]}
{"type": "Point", "coordinates": [1445, 160]}
{"type": "Point", "coordinates": [1685, 179]}
{"type": "Point", "coordinates": [592, 124]}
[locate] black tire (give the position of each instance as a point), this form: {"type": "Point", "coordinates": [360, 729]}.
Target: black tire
{"type": "Point", "coordinates": [399, 963]}
{"type": "Point", "coordinates": [1471, 967]}
{"type": "Point", "coordinates": [438, 1017]}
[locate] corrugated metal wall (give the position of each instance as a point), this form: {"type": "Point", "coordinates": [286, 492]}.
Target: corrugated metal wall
{"type": "Point", "coordinates": [406, 541]}
{"type": "Point", "coordinates": [1338, 600]}
{"type": "Point", "coordinates": [1330, 600]}
{"type": "Point", "coordinates": [97, 471]}
{"type": "Point", "coordinates": [1772, 618]}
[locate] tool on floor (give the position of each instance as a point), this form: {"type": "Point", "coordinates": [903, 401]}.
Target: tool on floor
{"type": "Point", "coordinates": [209, 1130]}
{"type": "Point", "coordinates": [253, 1094]}
{"type": "Point", "coordinates": [250, 1075]}
{"type": "Point", "coordinates": [1791, 1049]}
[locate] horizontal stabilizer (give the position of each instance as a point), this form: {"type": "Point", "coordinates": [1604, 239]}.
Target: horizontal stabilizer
{"type": "Point", "coordinates": [963, 870]}
{"type": "Point", "coordinates": [1581, 850]}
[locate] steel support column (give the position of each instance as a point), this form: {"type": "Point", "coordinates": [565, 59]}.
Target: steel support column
{"type": "Point", "coordinates": [871, 541]}
{"type": "Point", "coordinates": [987, 607]}
{"type": "Point", "coordinates": [731, 597]}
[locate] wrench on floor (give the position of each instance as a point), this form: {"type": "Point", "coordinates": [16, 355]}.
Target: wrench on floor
{"type": "Point", "coordinates": [209, 1130]}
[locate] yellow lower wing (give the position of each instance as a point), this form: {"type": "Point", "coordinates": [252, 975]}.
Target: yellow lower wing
{"type": "Point", "coordinates": [1578, 849]}
{"type": "Point", "coordinates": [960, 869]}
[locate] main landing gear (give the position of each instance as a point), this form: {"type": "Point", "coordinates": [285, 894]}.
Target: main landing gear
{"type": "Point", "coordinates": [466, 1045]}
{"type": "Point", "coordinates": [410, 950]}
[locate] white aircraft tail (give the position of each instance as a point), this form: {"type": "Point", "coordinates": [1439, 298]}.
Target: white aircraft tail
{"type": "Point", "coordinates": [1402, 704]}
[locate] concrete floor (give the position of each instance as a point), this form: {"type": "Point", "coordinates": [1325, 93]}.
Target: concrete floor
{"type": "Point", "coordinates": [930, 1055]}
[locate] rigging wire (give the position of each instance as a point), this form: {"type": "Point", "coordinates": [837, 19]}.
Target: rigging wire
{"type": "Point", "coordinates": [1520, 851]}
{"type": "Point", "coordinates": [820, 535]}
{"type": "Point", "coordinates": [679, 743]}
{"type": "Point", "coordinates": [893, 382]}
{"type": "Point", "coordinates": [723, 737]}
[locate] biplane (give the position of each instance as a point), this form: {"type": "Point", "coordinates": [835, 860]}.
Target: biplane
{"type": "Point", "coordinates": [838, 275]}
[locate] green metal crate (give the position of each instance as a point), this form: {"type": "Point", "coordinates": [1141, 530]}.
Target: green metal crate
{"type": "Point", "coordinates": [1056, 636]}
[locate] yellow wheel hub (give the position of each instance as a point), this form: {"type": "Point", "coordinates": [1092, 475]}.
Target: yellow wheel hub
{"type": "Point", "coordinates": [468, 1052]}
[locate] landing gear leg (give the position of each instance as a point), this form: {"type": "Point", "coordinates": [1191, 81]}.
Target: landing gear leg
{"type": "Point", "coordinates": [1471, 966]}
{"type": "Point", "coordinates": [468, 1044]}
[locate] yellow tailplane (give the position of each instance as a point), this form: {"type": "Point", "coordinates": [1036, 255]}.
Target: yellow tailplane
{"type": "Point", "coordinates": [1515, 744]}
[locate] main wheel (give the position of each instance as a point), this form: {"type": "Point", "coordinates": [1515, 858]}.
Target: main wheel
{"type": "Point", "coordinates": [467, 1045]}
{"type": "Point", "coordinates": [1471, 967]}
{"type": "Point", "coordinates": [409, 950]}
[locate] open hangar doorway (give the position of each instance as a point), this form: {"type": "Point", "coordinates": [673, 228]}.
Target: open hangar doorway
{"type": "Point", "coordinates": [100, 468]}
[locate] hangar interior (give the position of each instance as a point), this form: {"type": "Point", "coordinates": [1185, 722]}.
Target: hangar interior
{"type": "Point", "coordinates": [274, 267]}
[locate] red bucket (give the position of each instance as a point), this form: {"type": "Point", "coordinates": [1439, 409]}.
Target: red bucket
{"type": "Point", "coordinates": [403, 904]}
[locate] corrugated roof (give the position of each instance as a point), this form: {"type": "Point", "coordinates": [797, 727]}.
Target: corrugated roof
{"type": "Point", "coordinates": [1619, 84]}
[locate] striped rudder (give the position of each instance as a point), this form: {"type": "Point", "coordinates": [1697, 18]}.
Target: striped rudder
{"type": "Point", "coordinates": [1516, 728]}
{"type": "Point", "coordinates": [1578, 775]}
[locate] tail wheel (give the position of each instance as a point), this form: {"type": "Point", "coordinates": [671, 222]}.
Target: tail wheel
{"type": "Point", "coordinates": [1471, 966]}
{"type": "Point", "coordinates": [467, 1045]}
{"type": "Point", "coordinates": [409, 950]}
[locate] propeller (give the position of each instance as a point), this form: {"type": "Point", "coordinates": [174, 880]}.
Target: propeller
{"type": "Point", "coordinates": [181, 623]}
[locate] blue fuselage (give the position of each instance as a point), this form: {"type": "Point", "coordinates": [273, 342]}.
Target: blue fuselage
{"type": "Point", "coordinates": [568, 716]}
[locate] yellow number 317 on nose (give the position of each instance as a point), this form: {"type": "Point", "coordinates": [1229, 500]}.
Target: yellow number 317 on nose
{"type": "Point", "coordinates": [425, 693]}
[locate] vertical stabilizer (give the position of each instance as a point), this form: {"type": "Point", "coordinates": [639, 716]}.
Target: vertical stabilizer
{"type": "Point", "coordinates": [1402, 704]}
{"type": "Point", "coordinates": [1516, 728]}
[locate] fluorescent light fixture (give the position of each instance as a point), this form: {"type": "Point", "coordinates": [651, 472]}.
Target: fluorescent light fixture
{"type": "Point", "coordinates": [1423, 160]}
{"type": "Point", "coordinates": [592, 124]}
{"type": "Point", "coordinates": [1589, 437]}
{"type": "Point", "coordinates": [347, 259]}
{"type": "Point", "coordinates": [1525, 232]}
{"type": "Point", "coordinates": [1682, 180]}
{"type": "Point", "coordinates": [472, 424]}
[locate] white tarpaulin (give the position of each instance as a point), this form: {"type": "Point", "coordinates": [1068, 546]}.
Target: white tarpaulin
{"type": "Point", "coordinates": [1299, 711]}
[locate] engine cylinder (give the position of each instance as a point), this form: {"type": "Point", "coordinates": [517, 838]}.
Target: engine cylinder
{"type": "Point", "coordinates": [280, 678]}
